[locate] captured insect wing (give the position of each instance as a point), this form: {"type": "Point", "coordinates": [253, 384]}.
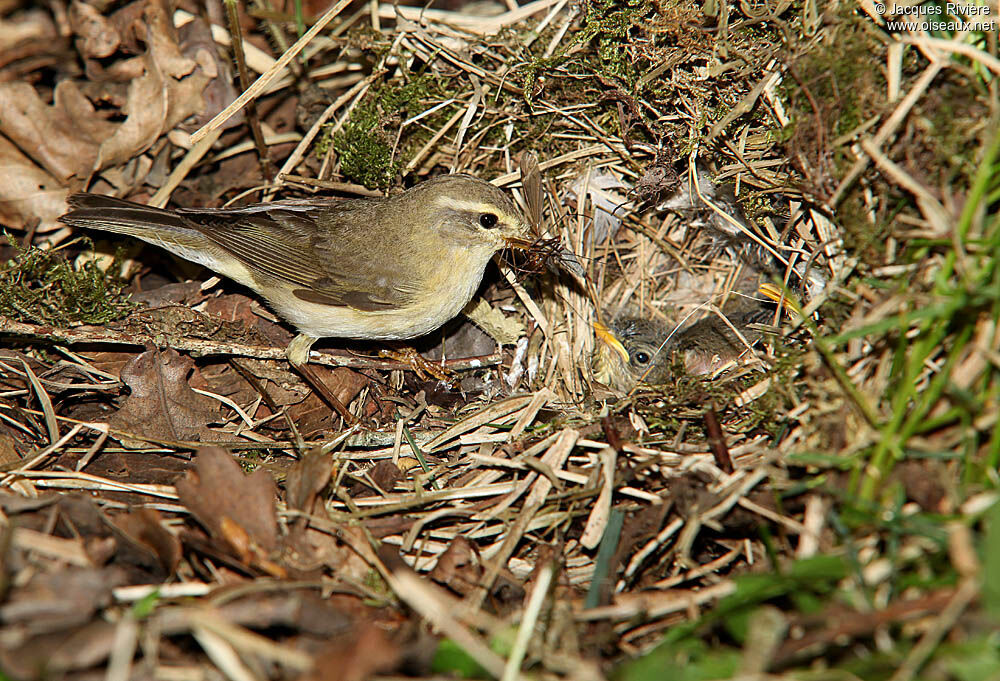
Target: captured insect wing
{"type": "Point", "coordinates": [531, 183]}
{"type": "Point", "coordinates": [547, 252]}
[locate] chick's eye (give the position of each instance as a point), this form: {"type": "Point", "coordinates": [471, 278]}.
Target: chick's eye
{"type": "Point", "coordinates": [488, 220]}
{"type": "Point", "coordinates": [641, 357]}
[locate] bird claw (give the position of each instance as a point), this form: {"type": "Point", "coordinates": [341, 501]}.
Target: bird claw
{"type": "Point", "coordinates": [420, 365]}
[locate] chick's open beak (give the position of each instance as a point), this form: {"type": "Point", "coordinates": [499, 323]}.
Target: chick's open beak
{"type": "Point", "coordinates": [777, 295]}
{"type": "Point", "coordinates": [604, 333]}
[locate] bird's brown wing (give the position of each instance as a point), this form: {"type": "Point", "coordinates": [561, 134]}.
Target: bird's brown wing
{"type": "Point", "coordinates": [327, 252]}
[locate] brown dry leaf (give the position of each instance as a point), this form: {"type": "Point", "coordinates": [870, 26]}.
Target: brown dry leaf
{"type": "Point", "coordinates": [312, 414]}
{"type": "Point", "coordinates": [162, 404]}
{"type": "Point", "coordinates": [31, 31]}
{"type": "Point", "coordinates": [344, 553]}
{"type": "Point", "coordinates": [70, 139]}
{"type": "Point", "coordinates": [383, 475]}
{"type": "Point", "coordinates": [63, 138]}
{"type": "Point", "coordinates": [459, 568]}
{"type": "Point", "coordinates": [26, 191]}
{"type": "Point", "coordinates": [51, 655]}
{"type": "Point", "coordinates": [96, 36]}
{"type": "Point", "coordinates": [196, 42]}
{"type": "Point", "coordinates": [232, 308]}
{"type": "Point", "coordinates": [308, 477]}
{"type": "Point", "coordinates": [169, 92]}
{"type": "Point", "coordinates": [8, 450]}
{"type": "Point", "coordinates": [143, 529]}
{"type": "Point", "coordinates": [234, 507]}
{"type": "Point", "coordinates": [66, 598]}
{"type": "Point", "coordinates": [110, 361]}
{"type": "Point", "coordinates": [301, 610]}
{"type": "Point", "coordinates": [161, 40]}
{"type": "Point", "coordinates": [147, 114]}
{"type": "Point", "coordinates": [355, 657]}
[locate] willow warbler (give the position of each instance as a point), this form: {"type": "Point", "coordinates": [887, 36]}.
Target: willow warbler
{"type": "Point", "coordinates": [369, 268]}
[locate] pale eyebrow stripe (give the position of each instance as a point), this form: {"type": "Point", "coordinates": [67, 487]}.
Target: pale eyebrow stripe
{"type": "Point", "coordinates": [459, 204]}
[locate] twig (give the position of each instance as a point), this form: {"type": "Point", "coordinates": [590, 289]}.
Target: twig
{"type": "Point", "coordinates": [232, 13]}
{"type": "Point", "coordinates": [177, 175]}
{"type": "Point", "coordinates": [265, 78]}
{"type": "Point", "coordinates": [201, 347]}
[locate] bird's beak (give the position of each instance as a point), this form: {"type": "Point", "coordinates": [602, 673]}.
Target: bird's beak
{"type": "Point", "coordinates": [778, 296]}
{"type": "Point", "coordinates": [604, 333]}
{"type": "Point", "coordinates": [518, 243]}
{"type": "Point", "coordinates": [519, 235]}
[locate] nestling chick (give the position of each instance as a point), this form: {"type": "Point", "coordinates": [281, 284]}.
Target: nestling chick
{"type": "Point", "coordinates": [634, 349]}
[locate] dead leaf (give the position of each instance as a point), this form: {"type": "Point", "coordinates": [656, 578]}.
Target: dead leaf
{"type": "Point", "coordinates": [161, 40]}
{"type": "Point", "coordinates": [96, 36]}
{"type": "Point", "coordinates": [8, 450]}
{"type": "Point", "coordinates": [296, 609]}
{"type": "Point", "coordinates": [169, 92]}
{"type": "Point", "coordinates": [234, 507]}
{"type": "Point", "coordinates": [32, 30]}
{"type": "Point", "coordinates": [142, 529]}
{"type": "Point", "coordinates": [178, 293]}
{"type": "Point", "coordinates": [312, 414]}
{"type": "Point", "coordinates": [162, 404]}
{"type": "Point", "coordinates": [196, 42]}
{"type": "Point", "coordinates": [459, 568]}
{"type": "Point", "coordinates": [60, 600]}
{"type": "Point", "coordinates": [27, 192]}
{"type": "Point", "coordinates": [384, 475]}
{"type": "Point", "coordinates": [63, 138]}
{"type": "Point", "coordinates": [147, 114]}
{"type": "Point", "coordinates": [69, 139]}
{"type": "Point", "coordinates": [307, 479]}
{"type": "Point", "coordinates": [50, 655]}
{"type": "Point", "coordinates": [503, 329]}
{"type": "Point", "coordinates": [355, 657]}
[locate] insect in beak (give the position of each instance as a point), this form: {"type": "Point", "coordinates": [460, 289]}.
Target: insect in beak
{"type": "Point", "coordinates": [519, 244]}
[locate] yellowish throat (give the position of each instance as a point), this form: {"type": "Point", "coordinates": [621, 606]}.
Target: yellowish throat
{"type": "Point", "coordinates": [634, 349]}
{"type": "Point", "coordinates": [372, 268]}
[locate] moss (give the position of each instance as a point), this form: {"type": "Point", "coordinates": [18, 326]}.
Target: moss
{"type": "Point", "coordinates": [367, 145]}
{"type": "Point", "coordinates": [830, 91]}
{"type": "Point", "coordinates": [42, 287]}
{"type": "Point", "coordinates": [610, 23]}
{"type": "Point", "coordinates": [837, 76]}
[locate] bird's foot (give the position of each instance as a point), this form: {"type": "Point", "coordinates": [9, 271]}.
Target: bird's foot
{"type": "Point", "coordinates": [419, 364]}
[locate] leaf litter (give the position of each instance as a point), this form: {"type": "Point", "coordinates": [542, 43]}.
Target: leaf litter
{"type": "Point", "coordinates": [177, 502]}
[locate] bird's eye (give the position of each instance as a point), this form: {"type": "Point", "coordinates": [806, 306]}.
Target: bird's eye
{"type": "Point", "coordinates": [488, 220]}
{"type": "Point", "coordinates": [641, 357]}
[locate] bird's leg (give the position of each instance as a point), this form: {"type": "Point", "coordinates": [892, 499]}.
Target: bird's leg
{"type": "Point", "coordinates": [420, 365]}
{"type": "Point", "coordinates": [297, 353]}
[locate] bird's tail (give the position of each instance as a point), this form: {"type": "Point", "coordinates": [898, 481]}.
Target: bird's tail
{"type": "Point", "coordinates": [154, 225]}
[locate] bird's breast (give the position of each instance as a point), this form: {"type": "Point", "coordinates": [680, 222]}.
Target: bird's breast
{"type": "Point", "coordinates": [442, 286]}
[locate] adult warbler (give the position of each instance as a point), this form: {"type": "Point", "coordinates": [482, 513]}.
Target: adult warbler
{"type": "Point", "coordinates": [370, 268]}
